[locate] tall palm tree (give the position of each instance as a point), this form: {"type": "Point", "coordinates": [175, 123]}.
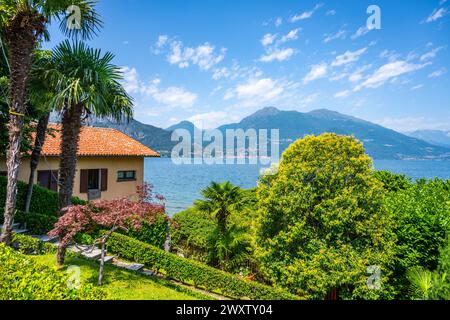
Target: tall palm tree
{"type": "Point", "coordinates": [220, 199]}
{"type": "Point", "coordinates": [22, 24]}
{"type": "Point", "coordinates": [85, 82]}
{"type": "Point", "coordinates": [41, 94]}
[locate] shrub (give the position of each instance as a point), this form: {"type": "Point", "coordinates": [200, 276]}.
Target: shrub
{"type": "Point", "coordinates": [193, 272]}
{"type": "Point", "coordinates": [23, 279]}
{"type": "Point", "coordinates": [152, 233]}
{"type": "Point", "coordinates": [36, 223]}
{"type": "Point", "coordinates": [29, 245]}
{"type": "Point", "coordinates": [44, 201]}
{"type": "Point", "coordinates": [422, 221]}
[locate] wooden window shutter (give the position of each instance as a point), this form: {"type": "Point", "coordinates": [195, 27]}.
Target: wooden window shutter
{"type": "Point", "coordinates": [104, 184]}
{"type": "Point", "coordinates": [84, 175]}
{"type": "Point", "coordinates": [54, 181]}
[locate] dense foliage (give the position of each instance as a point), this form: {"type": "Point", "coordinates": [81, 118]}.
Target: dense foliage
{"type": "Point", "coordinates": [422, 222]}
{"type": "Point", "coordinates": [44, 201]}
{"type": "Point", "coordinates": [322, 220]}
{"type": "Point", "coordinates": [152, 233]}
{"type": "Point", "coordinates": [192, 272]}
{"type": "Point", "coordinates": [23, 279]}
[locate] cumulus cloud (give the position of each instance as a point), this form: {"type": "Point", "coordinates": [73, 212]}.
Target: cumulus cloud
{"type": "Point", "coordinates": [169, 97]}
{"type": "Point", "coordinates": [277, 54]}
{"type": "Point", "coordinates": [436, 15]}
{"type": "Point", "coordinates": [292, 35]}
{"type": "Point", "coordinates": [209, 120]}
{"type": "Point", "coordinates": [388, 72]}
{"type": "Point", "coordinates": [342, 94]}
{"type": "Point", "coordinates": [205, 56]}
{"type": "Point", "coordinates": [348, 57]}
{"type": "Point", "coordinates": [306, 14]}
{"type": "Point", "coordinates": [262, 89]}
{"type": "Point", "coordinates": [437, 73]}
{"type": "Point", "coordinates": [268, 39]}
{"type": "Point", "coordinates": [360, 32]}
{"type": "Point", "coordinates": [338, 35]}
{"type": "Point", "coordinates": [317, 71]}
{"type": "Point", "coordinates": [431, 54]}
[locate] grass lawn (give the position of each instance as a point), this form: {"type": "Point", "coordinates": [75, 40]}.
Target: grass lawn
{"type": "Point", "coordinates": [123, 284]}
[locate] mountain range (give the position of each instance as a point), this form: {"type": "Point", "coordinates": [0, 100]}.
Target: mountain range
{"type": "Point", "coordinates": [379, 142]}
{"type": "Point", "coordinates": [436, 137]}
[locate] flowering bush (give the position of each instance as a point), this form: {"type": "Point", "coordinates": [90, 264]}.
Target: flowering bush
{"type": "Point", "coordinates": [111, 215]}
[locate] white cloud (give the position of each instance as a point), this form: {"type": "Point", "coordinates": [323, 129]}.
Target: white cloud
{"type": "Point", "coordinates": [221, 73]}
{"type": "Point", "coordinates": [292, 35]}
{"type": "Point", "coordinates": [342, 94]}
{"type": "Point", "coordinates": [388, 72]}
{"type": "Point", "coordinates": [175, 97]}
{"type": "Point", "coordinates": [277, 54]}
{"type": "Point", "coordinates": [409, 124]}
{"type": "Point", "coordinates": [306, 14]}
{"type": "Point", "coordinates": [268, 39]}
{"type": "Point", "coordinates": [278, 21]}
{"type": "Point", "coordinates": [431, 54]}
{"type": "Point", "coordinates": [348, 57]}
{"type": "Point", "coordinates": [360, 32]}
{"type": "Point", "coordinates": [331, 12]}
{"type": "Point", "coordinates": [317, 71]}
{"type": "Point", "coordinates": [436, 15]}
{"type": "Point", "coordinates": [170, 97]}
{"type": "Point", "coordinates": [338, 35]}
{"type": "Point", "coordinates": [209, 120]}
{"type": "Point", "coordinates": [205, 56]}
{"type": "Point", "coordinates": [437, 73]}
{"type": "Point", "coordinates": [419, 86]}
{"type": "Point", "coordinates": [261, 89]}
{"type": "Point", "coordinates": [359, 73]}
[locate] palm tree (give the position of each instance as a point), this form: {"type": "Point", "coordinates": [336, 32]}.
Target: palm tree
{"type": "Point", "coordinates": [221, 199]}
{"type": "Point", "coordinates": [85, 82]}
{"type": "Point", "coordinates": [41, 93]}
{"type": "Point", "coordinates": [22, 24]}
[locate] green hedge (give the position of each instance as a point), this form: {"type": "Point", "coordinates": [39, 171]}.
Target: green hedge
{"type": "Point", "coordinates": [192, 272]}
{"type": "Point", "coordinates": [44, 201]}
{"type": "Point", "coordinates": [23, 279]}
{"type": "Point", "coordinates": [36, 223]}
{"type": "Point", "coordinates": [154, 234]}
{"type": "Point", "coordinates": [29, 245]}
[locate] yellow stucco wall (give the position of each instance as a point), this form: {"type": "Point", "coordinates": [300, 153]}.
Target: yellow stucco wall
{"type": "Point", "coordinates": [113, 164]}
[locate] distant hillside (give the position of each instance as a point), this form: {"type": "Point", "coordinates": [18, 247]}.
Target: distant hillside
{"type": "Point", "coordinates": [379, 142]}
{"type": "Point", "coordinates": [153, 137]}
{"type": "Point", "coordinates": [436, 137]}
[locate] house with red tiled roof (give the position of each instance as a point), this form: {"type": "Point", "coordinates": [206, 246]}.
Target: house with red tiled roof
{"type": "Point", "coordinates": [110, 164]}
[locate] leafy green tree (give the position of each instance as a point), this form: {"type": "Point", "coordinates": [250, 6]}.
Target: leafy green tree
{"type": "Point", "coordinates": [422, 222]}
{"type": "Point", "coordinates": [322, 222]}
{"type": "Point", "coordinates": [393, 182]}
{"type": "Point", "coordinates": [23, 23]}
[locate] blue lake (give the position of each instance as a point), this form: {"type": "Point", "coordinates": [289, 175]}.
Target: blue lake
{"type": "Point", "coordinates": [181, 184]}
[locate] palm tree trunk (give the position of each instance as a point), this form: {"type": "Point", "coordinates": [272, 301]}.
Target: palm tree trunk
{"type": "Point", "coordinates": [35, 156]}
{"type": "Point", "coordinates": [21, 40]}
{"type": "Point", "coordinates": [71, 125]}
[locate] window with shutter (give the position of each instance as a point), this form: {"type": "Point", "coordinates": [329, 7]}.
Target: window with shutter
{"type": "Point", "coordinates": [104, 175]}
{"type": "Point", "coordinates": [84, 176]}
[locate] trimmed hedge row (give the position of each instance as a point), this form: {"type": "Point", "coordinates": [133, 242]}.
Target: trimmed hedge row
{"type": "Point", "coordinates": [192, 272]}
{"type": "Point", "coordinates": [44, 201]}
{"type": "Point", "coordinates": [36, 223]}
{"type": "Point", "coordinates": [29, 245]}
{"type": "Point", "coordinates": [23, 279]}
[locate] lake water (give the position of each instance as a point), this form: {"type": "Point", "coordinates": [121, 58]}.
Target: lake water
{"type": "Point", "coordinates": [181, 184]}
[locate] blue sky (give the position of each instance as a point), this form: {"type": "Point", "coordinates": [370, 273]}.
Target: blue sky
{"type": "Point", "coordinates": [216, 61]}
